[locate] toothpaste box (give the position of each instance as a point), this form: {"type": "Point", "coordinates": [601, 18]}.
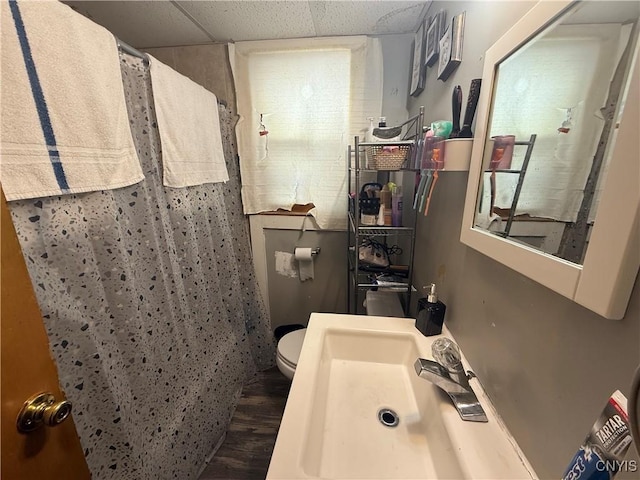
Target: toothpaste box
{"type": "Point", "coordinates": [602, 453]}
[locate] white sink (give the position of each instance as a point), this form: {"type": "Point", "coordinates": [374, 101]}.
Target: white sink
{"type": "Point", "coordinates": [352, 367]}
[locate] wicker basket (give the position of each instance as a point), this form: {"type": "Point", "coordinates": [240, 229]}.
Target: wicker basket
{"type": "Point", "coordinates": [385, 157]}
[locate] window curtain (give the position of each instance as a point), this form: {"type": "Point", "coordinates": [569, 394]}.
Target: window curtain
{"type": "Point", "coordinates": [151, 305]}
{"type": "Point", "coordinates": [563, 77]}
{"type": "Point", "coordinates": [301, 101]}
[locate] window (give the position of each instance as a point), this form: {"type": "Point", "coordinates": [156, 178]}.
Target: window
{"type": "Point", "coordinates": [311, 96]}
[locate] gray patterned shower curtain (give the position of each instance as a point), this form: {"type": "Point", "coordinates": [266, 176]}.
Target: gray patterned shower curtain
{"type": "Point", "coordinates": [151, 305]}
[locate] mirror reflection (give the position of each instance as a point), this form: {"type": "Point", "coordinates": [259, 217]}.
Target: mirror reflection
{"type": "Point", "coordinates": [553, 119]}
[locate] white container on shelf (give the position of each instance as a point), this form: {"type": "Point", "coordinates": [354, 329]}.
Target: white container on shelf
{"type": "Point", "coordinates": [457, 154]}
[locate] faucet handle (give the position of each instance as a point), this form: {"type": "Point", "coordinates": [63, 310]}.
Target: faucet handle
{"type": "Point", "coordinates": [447, 354]}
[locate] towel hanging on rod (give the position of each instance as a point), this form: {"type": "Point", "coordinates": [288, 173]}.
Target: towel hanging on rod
{"type": "Point", "coordinates": [125, 47]}
{"type": "Point", "coordinates": [53, 140]}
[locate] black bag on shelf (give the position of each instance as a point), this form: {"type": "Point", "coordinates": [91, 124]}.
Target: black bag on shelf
{"type": "Point", "coordinates": [369, 204]}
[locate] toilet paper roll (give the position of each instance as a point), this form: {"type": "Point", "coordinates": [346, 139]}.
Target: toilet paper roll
{"type": "Point", "coordinates": [304, 256]}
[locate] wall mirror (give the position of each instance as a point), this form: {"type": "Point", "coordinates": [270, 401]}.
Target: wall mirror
{"type": "Point", "coordinates": [554, 183]}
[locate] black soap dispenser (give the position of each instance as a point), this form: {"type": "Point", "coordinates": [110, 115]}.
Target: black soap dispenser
{"type": "Point", "coordinates": [430, 313]}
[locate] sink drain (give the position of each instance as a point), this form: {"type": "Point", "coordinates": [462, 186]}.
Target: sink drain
{"type": "Point", "coordinates": [388, 417]}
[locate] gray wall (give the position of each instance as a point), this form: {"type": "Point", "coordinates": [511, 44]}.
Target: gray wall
{"type": "Point", "coordinates": [397, 63]}
{"type": "Point", "coordinates": [292, 301]}
{"type": "Point", "coordinates": [207, 65]}
{"type": "Point", "coordinates": [548, 364]}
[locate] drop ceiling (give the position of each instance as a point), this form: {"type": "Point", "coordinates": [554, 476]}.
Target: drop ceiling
{"type": "Point", "coordinates": [162, 23]}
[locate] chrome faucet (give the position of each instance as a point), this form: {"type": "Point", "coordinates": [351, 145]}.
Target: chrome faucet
{"type": "Point", "coordinates": [450, 376]}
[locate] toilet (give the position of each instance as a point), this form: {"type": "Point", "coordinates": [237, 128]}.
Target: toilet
{"type": "Point", "coordinates": [377, 303]}
{"type": "Point", "coordinates": [289, 348]}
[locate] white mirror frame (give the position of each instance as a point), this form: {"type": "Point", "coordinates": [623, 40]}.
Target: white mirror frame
{"type": "Point", "coordinates": [604, 282]}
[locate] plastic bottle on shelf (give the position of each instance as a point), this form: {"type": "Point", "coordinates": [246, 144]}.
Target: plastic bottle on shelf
{"type": "Point", "coordinates": [369, 136]}
{"type": "Point", "coordinates": [385, 200]}
{"type": "Point", "coordinates": [381, 216]}
{"type": "Point", "coordinates": [396, 206]}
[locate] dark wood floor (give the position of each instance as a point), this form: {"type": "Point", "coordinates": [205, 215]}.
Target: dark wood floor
{"type": "Point", "coordinates": [246, 451]}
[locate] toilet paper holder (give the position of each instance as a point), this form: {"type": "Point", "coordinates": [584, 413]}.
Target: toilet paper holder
{"type": "Point", "coordinates": [314, 251]}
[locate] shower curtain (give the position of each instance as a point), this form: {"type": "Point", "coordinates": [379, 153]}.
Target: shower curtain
{"type": "Point", "coordinates": [151, 305]}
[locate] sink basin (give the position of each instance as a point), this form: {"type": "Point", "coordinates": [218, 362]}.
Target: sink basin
{"type": "Point", "coordinates": [351, 369]}
{"type": "Point", "coordinates": [361, 373]}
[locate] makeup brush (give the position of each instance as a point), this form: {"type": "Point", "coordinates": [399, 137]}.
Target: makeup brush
{"type": "Point", "coordinates": [472, 103]}
{"type": "Point", "coordinates": [456, 106]}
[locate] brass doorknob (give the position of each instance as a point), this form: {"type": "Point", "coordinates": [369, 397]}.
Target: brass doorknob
{"type": "Point", "coordinates": [42, 409]}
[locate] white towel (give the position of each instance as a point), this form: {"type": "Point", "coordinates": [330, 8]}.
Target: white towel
{"type": "Point", "coordinates": [65, 127]}
{"type": "Point", "coordinates": [189, 127]}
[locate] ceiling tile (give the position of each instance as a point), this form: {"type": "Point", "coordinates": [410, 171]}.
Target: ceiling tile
{"type": "Point", "coordinates": [143, 23]}
{"type": "Point", "coordinates": [373, 17]}
{"type": "Point", "coordinates": [160, 23]}
{"type": "Point", "coordinates": [252, 20]}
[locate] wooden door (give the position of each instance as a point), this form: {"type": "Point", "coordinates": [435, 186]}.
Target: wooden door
{"type": "Point", "coordinates": [27, 369]}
